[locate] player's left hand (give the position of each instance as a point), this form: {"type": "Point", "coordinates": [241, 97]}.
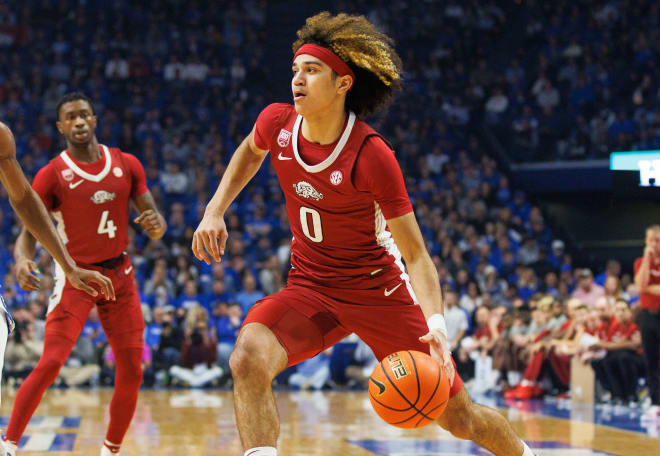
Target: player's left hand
{"type": "Point", "coordinates": [150, 221]}
{"type": "Point", "coordinates": [440, 352]}
{"type": "Point", "coordinates": [80, 279]}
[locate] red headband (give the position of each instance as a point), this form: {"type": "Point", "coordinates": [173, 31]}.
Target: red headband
{"type": "Point", "coordinates": [328, 57]}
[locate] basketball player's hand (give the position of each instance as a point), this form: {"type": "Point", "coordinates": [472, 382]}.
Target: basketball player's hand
{"type": "Point", "coordinates": [81, 278]}
{"type": "Point", "coordinates": [210, 237]}
{"type": "Point", "coordinates": [25, 274]}
{"type": "Point", "coordinates": [440, 352]}
{"type": "Point", "coordinates": [151, 223]}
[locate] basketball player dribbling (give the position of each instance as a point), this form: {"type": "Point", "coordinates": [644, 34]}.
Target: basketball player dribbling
{"type": "Point", "coordinates": [34, 216]}
{"type": "Point", "coordinates": [88, 188]}
{"type": "Point", "coordinates": [352, 223]}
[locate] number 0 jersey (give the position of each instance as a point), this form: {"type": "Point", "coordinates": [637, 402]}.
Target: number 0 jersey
{"type": "Point", "coordinates": [90, 201]}
{"type": "Point", "coordinates": [338, 197]}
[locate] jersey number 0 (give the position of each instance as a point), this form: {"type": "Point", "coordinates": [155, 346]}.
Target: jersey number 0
{"type": "Point", "coordinates": [307, 213]}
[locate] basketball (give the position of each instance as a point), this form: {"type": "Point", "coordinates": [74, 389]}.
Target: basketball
{"type": "Point", "coordinates": [408, 389]}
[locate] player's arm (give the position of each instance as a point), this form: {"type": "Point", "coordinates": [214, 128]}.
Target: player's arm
{"type": "Point", "coordinates": [425, 283]}
{"type": "Point", "coordinates": [643, 273]}
{"type": "Point", "coordinates": [151, 221]}
{"type": "Point", "coordinates": [211, 234]}
{"type": "Point", "coordinates": [35, 218]}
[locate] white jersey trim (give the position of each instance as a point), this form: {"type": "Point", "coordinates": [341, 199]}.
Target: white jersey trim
{"type": "Point", "coordinates": [385, 240]}
{"type": "Point", "coordinates": [335, 153]}
{"type": "Point", "coordinates": [85, 175]}
{"type": "Point", "coordinates": [60, 281]}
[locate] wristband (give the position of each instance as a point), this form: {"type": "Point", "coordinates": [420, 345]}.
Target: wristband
{"type": "Point", "coordinates": [437, 322]}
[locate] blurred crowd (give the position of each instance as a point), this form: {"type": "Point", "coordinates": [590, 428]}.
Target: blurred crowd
{"type": "Point", "coordinates": [179, 84]}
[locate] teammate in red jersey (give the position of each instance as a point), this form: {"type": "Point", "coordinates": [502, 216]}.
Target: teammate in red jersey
{"type": "Point", "coordinates": [350, 217]}
{"type": "Point", "coordinates": [32, 213]}
{"type": "Point", "coordinates": [88, 188]}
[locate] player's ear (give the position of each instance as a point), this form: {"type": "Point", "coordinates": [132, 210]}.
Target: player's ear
{"type": "Point", "coordinates": [345, 83]}
{"type": "Point", "coordinates": [94, 121]}
{"type": "Point", "coordinates": [60, 127]}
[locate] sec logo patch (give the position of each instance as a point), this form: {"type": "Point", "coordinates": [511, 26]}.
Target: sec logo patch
{"type": "Point", "coordinates": [336, 177]}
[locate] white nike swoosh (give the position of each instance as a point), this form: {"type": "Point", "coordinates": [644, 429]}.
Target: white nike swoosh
{"type": "Point", "coordinates": [281, 157]}
{"type": "Point", "coordinates": [389, 292]}
{"type": "Point", "coordinates": [75, 184]}
{"type": "Point", "coordinates": [130, 268]}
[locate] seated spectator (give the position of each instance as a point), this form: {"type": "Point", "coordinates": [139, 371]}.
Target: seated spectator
{"type": "Point", "coordinates": [189, 298]}
{"type": "Point", "coordinates": [457, 321]}
{"type": "Point", "coordinates": [198, 356]}
{"type": "Point", "coordinates": [622, 366]}
{"type": "Point", "coordinates": [312, 373]}
{"type": "Point", "coordinates": [168, 351]}
{"type": "Point", "coordinates": [23, 350]}
{"type": "Point", "coordinates": [250, 294]}
{"type": "Point", "coordinates": [587, 291]}
{"type": "Point", "coordinates": [227, 329]}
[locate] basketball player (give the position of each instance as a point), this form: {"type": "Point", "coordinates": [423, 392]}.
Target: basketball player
{"type": "Point", "coordinates": [88, 188]}
{"type": "Point", "coordinates": [352, 222]}
{"type": "Point", "coordinates": [32, 213]}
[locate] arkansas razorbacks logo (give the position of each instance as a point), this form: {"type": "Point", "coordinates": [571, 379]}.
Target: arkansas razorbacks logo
{"type": "Point", "coordinates": [102, 196]}
{"type": "Point", "coordinates": [306, 190]}
{"type": "Point", "coordinates": [284, 138]}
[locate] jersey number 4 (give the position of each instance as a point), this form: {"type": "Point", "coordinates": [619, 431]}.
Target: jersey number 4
{"type": "Point", "coordinates": [106, 226]}
{"type": "Point", "coordinates": [307, 214]}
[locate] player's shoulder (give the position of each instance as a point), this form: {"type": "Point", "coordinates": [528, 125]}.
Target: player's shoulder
{"type": "Point", "coordinates": [277, 113]}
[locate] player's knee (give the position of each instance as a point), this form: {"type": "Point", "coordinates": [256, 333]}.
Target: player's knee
{"type": "Point", "coordinates": [48, 369]}
{"type": "Point", "coordinates": [462, 425]}
{"type": "Point", "coordinates": [252, 353]}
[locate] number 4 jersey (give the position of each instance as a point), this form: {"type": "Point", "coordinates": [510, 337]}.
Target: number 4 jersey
{"type": "Point", "coordinates": [90, 201]}
{"type": "Point", "coordinates": [338, 197]}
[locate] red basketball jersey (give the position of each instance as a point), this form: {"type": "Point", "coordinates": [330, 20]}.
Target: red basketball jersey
{"type": "Point", "coordinates": [90, 201]}
{"type": "Point", "coordinates": [340, 237]}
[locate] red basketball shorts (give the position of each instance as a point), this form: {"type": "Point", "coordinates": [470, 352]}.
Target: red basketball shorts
{"type": "Point", "coordinates": [307, 320]}
{"type": "Point", "coordinates": [122, 319]}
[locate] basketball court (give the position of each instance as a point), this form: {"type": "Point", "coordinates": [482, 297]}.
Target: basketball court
{"type": "Point", "coordinates": [201, 422]}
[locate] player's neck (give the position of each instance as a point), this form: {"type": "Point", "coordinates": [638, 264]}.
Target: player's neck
{"type": "Point", "coordinates": [325, 127]}
{"type": "Point", "coordinates": [86, 153]}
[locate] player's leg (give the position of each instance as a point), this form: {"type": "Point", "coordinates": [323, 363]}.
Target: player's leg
{"type": "Point", "coordinates": [123, 323]}
{"type": "Point", "coordinates": [275, 335]}
{"type": "Point", "coordinates": [68, 312]}
{"type": "Point", "coordinates": [483, 425]}
{"type": "Point", "coordinates": [257, 359]}
{"type": "Point", "coordinates": [398, 326]}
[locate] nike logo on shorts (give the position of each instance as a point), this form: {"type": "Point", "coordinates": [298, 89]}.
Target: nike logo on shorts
{"type": "Point", "coordinates": [282, 157]}
{"type": "Point", "coordinates": [73, 185]}
{"type": "Point", "coordinates": [389, 292]}
{"type": "Point", "coordinates": [128, 270]}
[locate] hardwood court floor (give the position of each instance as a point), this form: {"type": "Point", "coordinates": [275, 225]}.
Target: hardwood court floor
{"type": "Point", "coordinates": [188, 422]}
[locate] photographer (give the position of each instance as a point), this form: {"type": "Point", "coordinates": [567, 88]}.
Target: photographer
{"type": "Point", "coordinates": [23, 350]}
{"type": "Point", "coordinates": [198, 353]}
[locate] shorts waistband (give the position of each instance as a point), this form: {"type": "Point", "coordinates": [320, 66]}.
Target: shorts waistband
{"type": "Point", "coordinates": [110, 263]}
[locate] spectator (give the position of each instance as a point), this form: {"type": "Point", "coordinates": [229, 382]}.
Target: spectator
{"type": "Point", "coordinates": [250, 294]}
{"type": "Point", "coordinates": [587, 291]}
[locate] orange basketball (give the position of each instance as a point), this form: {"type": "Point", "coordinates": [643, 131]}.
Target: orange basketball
{"type": "Point", "coordinates": [408, 389]}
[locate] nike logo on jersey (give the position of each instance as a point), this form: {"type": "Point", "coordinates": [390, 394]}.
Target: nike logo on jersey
{"type": "Point", "coordinates": [282, 157]}
{"type": "Point", "coordinates": [381, 386]}
{"type": "Point", "coordinates": [389, 292]}
{"type": "Point", "coordinates": [73, 185]}
{"type": "Point", "coordinates": [128, 270]}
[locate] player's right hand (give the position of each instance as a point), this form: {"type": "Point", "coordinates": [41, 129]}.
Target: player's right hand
{"type": "Point", "coordinates": [25, 276]}
{"type": "Point", "coordinates": [210, 236]}
{"type": "Point", "coordinates": [81, 278]}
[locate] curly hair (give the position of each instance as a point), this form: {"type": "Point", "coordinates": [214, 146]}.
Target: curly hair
{"type": "Point", "coordinates": [368, 52]}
